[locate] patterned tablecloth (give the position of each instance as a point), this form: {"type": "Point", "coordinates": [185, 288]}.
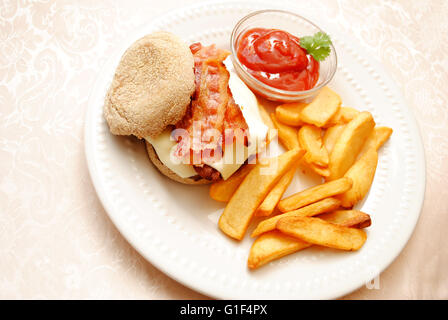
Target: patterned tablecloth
{"type": "Point", "coordinates": [56, 241]}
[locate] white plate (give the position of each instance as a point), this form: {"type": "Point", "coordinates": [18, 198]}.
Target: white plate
{"type": "Point", "coordinates": [175, 226]}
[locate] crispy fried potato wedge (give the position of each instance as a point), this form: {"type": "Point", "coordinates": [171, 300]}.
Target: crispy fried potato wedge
{"type": "Point", "coordinates": [272, 131]}
{"type": "Point", "coordinates": [319, 207]}
{"type": "Point", "coordinates": [362, 173]}
{"type": "Point", "coordinates": [289, 113]}
{"type": "Point", "coordinates": [323, 172]}
{"type": "Point", "coordinates": [286, 134]}
{"type": "Point", "coordinates": [343, 116]}
{"type": "Point", "coordinates": [252, 191]}
{"type": "Point", "coordinates": [363, 170]}
{"type": "Point", "coordinates": [349, 144]}
{"type": "Point", "coordinates": [223, 190]}
{"type": "Point", "coordinates": [265, 116]}
{"type": "Point", "coordinates": [347, 218]}
{"type": "Point", "coordinates": [273, 245]}
{"type": "Point", "coordinates": [270, 202]}
{"type": "Point", "coordinates": [315, 194]}
{"type": "Point", "coordinates": [331, 135]}
{"type": "Point", "coordinates": [324, 106]}
{"type": "Point", "coordinates": [377, 138]}
{"type": "Point", "coordinates": [271, 135]}
{"type": "Point", "coordinates": [310, 139]}
{"type": "Point", "coordinates": [323, 233]}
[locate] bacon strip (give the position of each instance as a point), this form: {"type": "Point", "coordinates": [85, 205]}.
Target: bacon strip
{"type": "Point", "coordinates": [212, 107]}
{"type": "Point", "coordinates": [234, 120]}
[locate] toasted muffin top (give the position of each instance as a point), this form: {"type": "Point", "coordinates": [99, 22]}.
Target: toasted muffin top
{"type": "Point", "coordinates": [152, 86]}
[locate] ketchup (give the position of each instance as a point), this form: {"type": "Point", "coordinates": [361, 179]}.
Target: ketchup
{"type": "Point", "coordinates": [276, 58]}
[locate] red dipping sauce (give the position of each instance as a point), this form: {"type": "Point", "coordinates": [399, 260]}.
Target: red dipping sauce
{"type": "Point", "coordinates": [275, 58]}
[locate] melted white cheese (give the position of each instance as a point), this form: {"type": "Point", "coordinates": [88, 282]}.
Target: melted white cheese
{"type": "Point", "coordinates": [228, 164]}
{"type": "Point", "coordinates": [164, 145]}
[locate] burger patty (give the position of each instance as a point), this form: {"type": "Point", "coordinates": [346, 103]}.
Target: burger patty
{"type": "Point", "coordinates": [207, 172]}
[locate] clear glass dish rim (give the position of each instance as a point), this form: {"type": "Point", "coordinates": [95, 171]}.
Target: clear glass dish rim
{"type": "Point", "coordinates": [263, 85]}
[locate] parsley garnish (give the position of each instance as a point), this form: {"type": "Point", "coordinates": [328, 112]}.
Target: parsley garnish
{"type": "Point", "coordinates": [317, 45]}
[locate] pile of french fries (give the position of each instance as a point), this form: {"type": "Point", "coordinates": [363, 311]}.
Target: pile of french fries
{"type": "Point", "coordinates": [338, 143]}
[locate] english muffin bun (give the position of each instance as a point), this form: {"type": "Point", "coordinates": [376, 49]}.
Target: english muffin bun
{"type": "Point", "coordinates": [152, 86]}
{"type": "Point", "coordinates": [151, 90]}
{"type": "Point", "coordinates": [170, 174]}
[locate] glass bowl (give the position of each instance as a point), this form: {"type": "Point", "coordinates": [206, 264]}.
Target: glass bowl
{"type": "Point", "coordinates": [297, 26]}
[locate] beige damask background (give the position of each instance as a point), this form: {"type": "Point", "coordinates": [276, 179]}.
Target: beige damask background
{"type": "Point", "coordinates": [56, 241]}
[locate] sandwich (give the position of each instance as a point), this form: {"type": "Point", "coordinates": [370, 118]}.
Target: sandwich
{"type": "Point", "coordinates": [199, 121]}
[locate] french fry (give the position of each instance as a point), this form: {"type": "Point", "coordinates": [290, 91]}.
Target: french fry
{"type": "Point", "coordinates": [265, 116]}
{"type": "Point", "coordinates": [324, 106]}
{"type": "Point", "coordinates": [323, 172]}
{"type": "Point", "coordinates": [223, 190]}
{"type": "Point", "coordinates": [377, 138]}
{"type": "Point", "coordinates": [363, 170]}
{"type": "Point", "coordinates": [347, 218]}
{"type": "Point", "coordinates": [323, 233]}
{"type": "Point", "coordinates": [343, 116]}
{"type": "Point", "coordinates": [273, 245]}
{"type": "Point", "coordinates": [310, 139]}
{"type": "Point", "coordinates": [270, 202]}
{"type": "Point", "coordinates": [331, 135]}
{"type": "Point", "coordinates": [286, 134]}
{"type": "Point", "coordinates": [349, 144]}
{"type": "Point", "coordinates": [272, 132]}
{"type": "Point", "coordinates": [319, 207]}
{"type": "Point", "coordinates": [315, 194]}
{"type": "Point", "coordinates": [362, 173]}
{"type": "Point", "coordinates": [289, 113]}
{"type": "Point", "coordinates": [254, 188]}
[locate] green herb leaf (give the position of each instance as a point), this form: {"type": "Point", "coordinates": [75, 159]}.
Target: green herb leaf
{"type": "Point", "coordinates": [317, 45]}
